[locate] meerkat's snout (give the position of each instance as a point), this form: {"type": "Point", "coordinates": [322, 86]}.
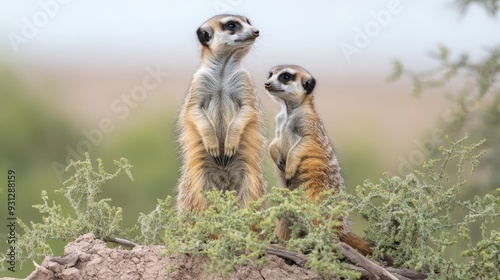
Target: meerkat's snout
{"type": "Point", "coordinates": [273, 85]}
{"type": "Point", "coordinates": [250, 36]}
{"type": "Point", "coordinates": [270, 87]}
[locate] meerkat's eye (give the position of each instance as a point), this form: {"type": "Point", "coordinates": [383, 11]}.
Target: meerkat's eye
{"type": "Point", "coordinates": [286, 77]}
{"type": "Point", "coordinates": [248, 21]}
{"type": "Point", "coordinates": [270, 75]}
{"type": "Point", "coordinates": [231, 25]}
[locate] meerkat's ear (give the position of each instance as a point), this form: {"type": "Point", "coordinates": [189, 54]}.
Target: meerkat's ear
{"type": "Point", "coordinates": [309, 83]}
{"type": "Point", "coordinates": [204, 35]}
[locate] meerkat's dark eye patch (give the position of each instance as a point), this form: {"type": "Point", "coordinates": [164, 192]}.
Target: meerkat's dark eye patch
{"type": "Point", "coordinates": [248, 21]}
{"type": "Point", "coordinates": [231, 26]}
{"type": "Point", "coordinates": [270, 75]}
{"type": "Point", "coordinates": [286, 77]}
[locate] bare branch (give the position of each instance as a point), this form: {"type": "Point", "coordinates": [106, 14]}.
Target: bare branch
{"type": "Point", "coordinates": [360, 260]}
{"type": "Point", "coordinates": [366, 267]}
{"type": "Point", "coordinates": [121, 241]}
{"type": "Point", "coordinates": [297, 258]}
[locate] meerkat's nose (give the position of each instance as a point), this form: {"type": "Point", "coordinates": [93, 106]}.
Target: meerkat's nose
{"type": "Point", "coordinates": [255, 32]}
{"type": "Point", "coordinates": [267, 85]}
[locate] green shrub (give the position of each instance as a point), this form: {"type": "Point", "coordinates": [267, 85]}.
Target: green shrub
{"type": "Point", "coordinates": [408, 218]}
{"type": "Point", "coordinates": [89, 214]}
{"type": "Point", "coordinates": [414, 217]}
{"type": "Point", "coordinates": [229, 236]}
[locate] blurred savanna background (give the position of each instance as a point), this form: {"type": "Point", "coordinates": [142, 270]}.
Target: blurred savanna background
{"type": "Point", "coordinates": [72, 80]}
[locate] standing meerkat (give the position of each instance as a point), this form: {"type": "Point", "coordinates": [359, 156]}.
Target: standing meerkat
{"type": "Point", "coordinates": [302, 150]}
{"type": "Point", "coordinates": [220, 123]}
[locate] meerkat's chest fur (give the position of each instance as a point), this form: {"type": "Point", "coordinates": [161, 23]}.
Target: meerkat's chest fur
{"type": "Point", "coordinates": [222, 93]}
{"type": "Point", "coordinates": [288, 130]}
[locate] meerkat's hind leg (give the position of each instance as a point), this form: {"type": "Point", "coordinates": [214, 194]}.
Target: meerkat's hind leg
{"type": "Point", "coordinates": [253, 188]}
{"type": "Point", "coordinates": [283, 228]}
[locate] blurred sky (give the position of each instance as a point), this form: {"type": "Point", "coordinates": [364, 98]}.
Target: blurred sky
{"type": "Point", "coordinates": [92, 47]}
{"type": "Point", "coordinates": [96, 51]}
{"type": "Point", "coordinates": [126, 32]}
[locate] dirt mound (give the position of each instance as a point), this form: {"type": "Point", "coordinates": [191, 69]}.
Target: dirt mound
{"type": "Point", "coordinates": [90, 258]}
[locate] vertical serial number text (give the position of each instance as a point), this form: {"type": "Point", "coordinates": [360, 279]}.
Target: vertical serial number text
{"type": "Point", "coordinates": [11, 219]}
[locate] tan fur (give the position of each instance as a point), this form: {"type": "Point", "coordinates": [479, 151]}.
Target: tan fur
{"type": "Point", "coordinates": [302, 150]}
{"type": "Point", "coordinates": [220, 123]}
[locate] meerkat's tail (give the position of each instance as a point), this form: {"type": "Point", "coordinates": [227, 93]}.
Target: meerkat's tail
{"type": "Point", "coordinates": [362, 246]}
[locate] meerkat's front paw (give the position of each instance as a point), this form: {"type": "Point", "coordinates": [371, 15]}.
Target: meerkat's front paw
{"type": "Point", "coordinates": [230, 148]}
{"type": "Point", "coordinates": [218, 160]}
{"type": "Point", "coordinates": [282, 165]}
{"type": "Point", "coordinates": [213, 151]}
{"type": "Point", "coordinates": [229, 154]}
{"type": "Point", "coordinates": [289, 175]}
{"type": "Point", "coordinates": [276, 156]}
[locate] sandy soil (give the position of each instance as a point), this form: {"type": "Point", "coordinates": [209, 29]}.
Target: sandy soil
{"type": "Point", "coordinates": [90, 258]}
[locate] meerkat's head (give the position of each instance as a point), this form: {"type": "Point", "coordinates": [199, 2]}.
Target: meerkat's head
{"type": "Point", "coordinates": [223, 34]}
{"type": "Point", "coordinates": [290, 83]}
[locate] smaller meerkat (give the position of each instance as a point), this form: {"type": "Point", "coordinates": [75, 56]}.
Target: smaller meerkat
{"type": "Point", "coordinates": [302, 150]}
{"type": "Point", "coordinates": [220, 123]}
